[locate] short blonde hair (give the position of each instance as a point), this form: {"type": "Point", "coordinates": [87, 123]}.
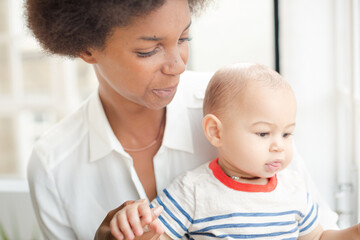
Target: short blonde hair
{"type": "Point", "coordinates": [231, 80]}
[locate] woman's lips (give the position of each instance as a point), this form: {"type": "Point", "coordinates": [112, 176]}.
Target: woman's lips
{"type": "Point", "coordinates": [273, 166]}
{"type": "Point", "coordinates": [165, 92]}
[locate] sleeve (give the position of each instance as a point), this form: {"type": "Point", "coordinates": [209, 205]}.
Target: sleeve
{"type": "Point", "coordinates": [47, 205]}
{"type": "Point", "coordinates": [327, 217]}
{"type": "Point", "coordinates": [309, 220]}
{"type": "Point", "coordinates": [179, 205]}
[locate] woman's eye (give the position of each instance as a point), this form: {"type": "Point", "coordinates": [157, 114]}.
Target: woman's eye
{"type": "Point", "coordinates": [263, 134]}
{"type": "Point", "coordinates": [146, 54]}
{"type": "Point", "coordinates": [181, 40]}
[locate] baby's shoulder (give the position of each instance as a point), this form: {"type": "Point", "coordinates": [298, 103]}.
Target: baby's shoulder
{"type": "Point", "coordinates": [194, 177]}
{"type": "Point", "coordinates": [291, 178]}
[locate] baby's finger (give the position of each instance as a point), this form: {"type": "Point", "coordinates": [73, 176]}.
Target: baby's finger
{"type": "Point", "coordinates": [145, 214]}
{"type": "Point", "coordinates": [114, 229]}
{"type": "Point", "coordinates": [134, 220]}
{"type": "Point", "coordinates": [124, 226]}
{"type": "Point", "coordinates": [151, 215]}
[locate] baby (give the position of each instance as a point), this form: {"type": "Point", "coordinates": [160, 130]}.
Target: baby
{"type": "Point", "coordinates": [247, 192]}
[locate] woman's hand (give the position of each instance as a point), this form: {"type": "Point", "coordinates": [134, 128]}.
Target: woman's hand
{"type": "Point", "coordinates": [132, 219]}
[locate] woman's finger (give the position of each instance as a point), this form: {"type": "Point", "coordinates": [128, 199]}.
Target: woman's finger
{"type": "Point", "coordinates": [157, 227]}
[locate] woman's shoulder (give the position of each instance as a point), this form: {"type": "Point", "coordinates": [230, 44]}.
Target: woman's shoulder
{"type": "Point", "coordinates": [65, 135]}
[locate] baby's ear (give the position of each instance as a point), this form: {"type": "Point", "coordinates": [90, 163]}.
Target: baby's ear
{"type": "Point", "coordinates": [212, 127]}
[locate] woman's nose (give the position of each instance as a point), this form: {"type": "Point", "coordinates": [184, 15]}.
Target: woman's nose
{"type": "Point", "coordinates": [175, 62]}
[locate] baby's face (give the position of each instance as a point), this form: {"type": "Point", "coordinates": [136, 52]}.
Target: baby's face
{"type": "Point", "coordinates": [257, 132]}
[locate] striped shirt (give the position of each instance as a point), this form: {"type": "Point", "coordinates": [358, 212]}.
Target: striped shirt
{"type": "Point", "coordinates": [205, 203]}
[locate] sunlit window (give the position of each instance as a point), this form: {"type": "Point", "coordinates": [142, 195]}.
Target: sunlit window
{"type": "Point", "coordinates": [36, 90]}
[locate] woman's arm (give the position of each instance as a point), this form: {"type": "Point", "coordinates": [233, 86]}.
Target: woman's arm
{"type": "Point", "coordinates": [52, 219]}
{"type": "Point", "coordinates": [351, 233]}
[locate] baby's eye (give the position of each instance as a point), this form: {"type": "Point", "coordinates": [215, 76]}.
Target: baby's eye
{"type": "Point", "coordinates": [262, 134]}
{"type": "Point", "coordinates": [285, 135]}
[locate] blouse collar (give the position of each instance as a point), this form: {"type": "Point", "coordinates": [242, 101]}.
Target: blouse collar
{"type": "Point", "coordinates": [102, 140]}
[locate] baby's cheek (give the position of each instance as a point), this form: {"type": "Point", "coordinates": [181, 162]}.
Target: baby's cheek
{"type": "Point", "coordinates": [289, 154]}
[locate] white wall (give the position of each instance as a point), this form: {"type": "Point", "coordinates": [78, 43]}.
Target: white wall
{"type": "Point", "coordinates": [307, 57]}
{"type": "Point", "coordinates": [232, 31]}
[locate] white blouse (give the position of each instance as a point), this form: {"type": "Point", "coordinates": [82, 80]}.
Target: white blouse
{"type": "Point", "coordinates": [78, 170]}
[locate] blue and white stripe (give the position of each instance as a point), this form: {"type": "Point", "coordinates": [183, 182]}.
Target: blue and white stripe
{"type": "Point", "coordinates": [236, 225]}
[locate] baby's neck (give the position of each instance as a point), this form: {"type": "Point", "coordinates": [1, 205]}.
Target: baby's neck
{"type": "Point", "coordinates": [252, 180]}
{"type": "Point", "coordinates": [240, 176]}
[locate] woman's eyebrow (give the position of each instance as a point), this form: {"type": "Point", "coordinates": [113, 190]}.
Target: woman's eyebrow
{"type": "Point", "coordinates": [148, 38]}
{"type": "Point", "coordinates": [155, 38]}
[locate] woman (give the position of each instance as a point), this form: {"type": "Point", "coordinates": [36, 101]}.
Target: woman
{"type": "Point", "coordinates": [134, 135]}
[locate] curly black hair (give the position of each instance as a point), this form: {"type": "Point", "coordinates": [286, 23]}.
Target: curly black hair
{"type": "Point", "coordinates": [69, 27]}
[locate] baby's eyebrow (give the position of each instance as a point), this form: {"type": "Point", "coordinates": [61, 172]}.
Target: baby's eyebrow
{"type": "Point", "coordinates": [291, 125]}
{"type": "Point", "coordinates": [263, 122]}
{"type": "Point", "coordinates": [272, 124]}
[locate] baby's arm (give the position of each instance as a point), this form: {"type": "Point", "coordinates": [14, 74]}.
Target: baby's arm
{"type": "Point", "coordinates": [137, 221]}
{"type": "Point", "coordinates": [351, 233]}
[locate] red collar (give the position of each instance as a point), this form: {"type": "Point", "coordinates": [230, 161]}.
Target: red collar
{"type": "Point", "coordinates": [245, 187]}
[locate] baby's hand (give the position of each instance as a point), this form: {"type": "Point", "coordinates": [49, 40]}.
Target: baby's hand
{"type": "Point", "coordinates": [135, 219]}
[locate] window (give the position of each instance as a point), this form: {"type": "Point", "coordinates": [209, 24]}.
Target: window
{"type": "Point", "coordinates": [36, 90]}
{"type": "Point", "coordinates": [347, 70]}
{"type": "Point", "coordinates": [320, 57]}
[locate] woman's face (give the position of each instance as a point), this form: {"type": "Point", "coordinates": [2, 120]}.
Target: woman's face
{"type": "Point", "coordinates": [142, 62]}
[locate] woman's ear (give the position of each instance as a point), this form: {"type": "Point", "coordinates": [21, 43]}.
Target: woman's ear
{"type": "Point", "coordinates": [88, 56]}
{"type": "Point", "coordinates": [212, 128]}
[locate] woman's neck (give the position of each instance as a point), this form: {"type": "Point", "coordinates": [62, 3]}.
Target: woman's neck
{"type": "Point", "coordinates": [134, 126]}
